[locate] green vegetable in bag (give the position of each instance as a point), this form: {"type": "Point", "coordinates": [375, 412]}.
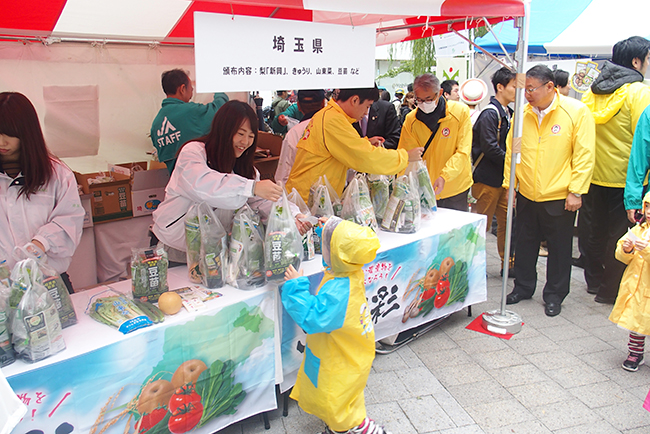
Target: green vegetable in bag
{"type": "Point", "coordinates": [149, 273]}
{"type": "Point", "coordinates": [212, 260]}
{"type": "Point", "coordinates": [246, 254]}
{"type": "Point", "coordinates": [403, 210]}
{"type": "Point", "coordinates": [425, 189]}
{"type": "Point", "coordinates": [282, 245]}
{"type": "Point", "coordinates": [193, 244]}
{"type": "Point", "coordinates": [378, 186]}
{"type": "Point", "coordinates": [357, 206]}
{"type": "Point", "coordinates": [308, 247]}
{"type": "Point", "coordinates": [116, 310]}
{"type": "Point", "coordinates": [6, 351]}
{"type": "Point", "coordinates": [34, 324]}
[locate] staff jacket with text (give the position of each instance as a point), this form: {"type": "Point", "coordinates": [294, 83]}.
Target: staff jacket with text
{"type": "Point", "coordinates": [330, 146]}
{"type": "Point", "coordinates": [557, 158]}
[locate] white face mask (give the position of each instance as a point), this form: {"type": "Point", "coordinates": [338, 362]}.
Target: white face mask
{"type": "Point", "coordinates": [427, 107]}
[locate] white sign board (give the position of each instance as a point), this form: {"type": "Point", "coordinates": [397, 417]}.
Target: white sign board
{"type": "Point", "coordinates": [450, 44]}
{"type": "Point", "coordinates": [237, 53]}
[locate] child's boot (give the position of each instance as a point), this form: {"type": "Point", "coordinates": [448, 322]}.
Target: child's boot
{"type": "Point", "coordinates": [633, 361]}
{"type": "Point", "coordinates": [368, 426]}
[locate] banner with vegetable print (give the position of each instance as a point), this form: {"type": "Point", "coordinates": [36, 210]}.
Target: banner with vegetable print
{"type": "Point", "coordinates": [415, 283]}
{"type": "Point", "coordinates": [199, 376]}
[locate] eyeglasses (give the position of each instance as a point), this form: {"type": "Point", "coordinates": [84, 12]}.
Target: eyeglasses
{"type": "Point", "coordinates": [529, 91]}
{"type": "Point", "coordinates": [420, 101]}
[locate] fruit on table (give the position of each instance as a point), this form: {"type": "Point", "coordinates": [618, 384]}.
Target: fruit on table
{"type": "Point", "coordinates": [155, 394]}
{"type": "Point", "coordinates": [170, 302]}
{"type": "Point", "coordinates": [188, 372]}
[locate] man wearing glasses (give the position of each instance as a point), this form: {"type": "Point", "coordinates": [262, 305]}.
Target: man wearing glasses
{"type": "Point", "coordinates": [557, 159]}
{"type": "Point", "coordinates": [443, 128]}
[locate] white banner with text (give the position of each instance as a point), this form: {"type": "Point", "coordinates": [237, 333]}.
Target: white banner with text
{"type": "Point", "coordinates": [235, 53]}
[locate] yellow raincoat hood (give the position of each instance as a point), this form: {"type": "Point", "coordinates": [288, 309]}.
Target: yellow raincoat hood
{"type": "Point", "coordinates": [348, 246]}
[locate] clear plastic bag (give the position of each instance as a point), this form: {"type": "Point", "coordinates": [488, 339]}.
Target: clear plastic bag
{"type": "Point", "coordinates": [118, 311]}
{"type": "Point", "coordinates": [246, 253]}
{"type": "Point", "coordinates": [323, 199]}
{"type": "Point", "coordinates": [403, 209]}
{"type": "Point", "coordinates": [357, 205]}
{"type": "Point", "coordinates": [34, 324]}
{"type": "Point", "coordinates": [149, 273]}
{"type": "Point", "coordinates": [193, 244]}
{"type": "Point", "coordinates": [425, 188]}
{"type": "Point", "coordinates": [309, 249]}
{"type": "Point", "coordinates": [214, 242]}
{"type": "Point", "coordinates": [52, 281]}
{"type": "Point", "coordinates": [6, 351]}
{"type": "Point", "coordinates": [282, 244]}
{"type": "Point", "coordinates": [379, 188]}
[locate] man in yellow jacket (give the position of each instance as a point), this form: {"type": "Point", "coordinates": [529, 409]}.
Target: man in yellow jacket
{"type": "Point", "coordinates": [330, 145]}
{"type": "Point", "coordinates": [444, 129]}
{"type": "Point", "coordinates": [616, 99]}
{"type": "Point", "coordinates": [557, 159]}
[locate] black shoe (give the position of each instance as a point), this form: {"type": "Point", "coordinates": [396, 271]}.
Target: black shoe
{"type": "Point", "coordinates": [592, 290]}
{"type": "Point", "coordinates": [553, 309]}
{"type": "Point", "coordinates": [515, 297]}
{"type": "Point", "coordinates": [633, 361]}
{"type": "Point", "coordinates": [605, 300]}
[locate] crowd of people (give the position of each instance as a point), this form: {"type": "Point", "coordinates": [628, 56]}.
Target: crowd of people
{"type": "Point", "coordinates": [591, 155]}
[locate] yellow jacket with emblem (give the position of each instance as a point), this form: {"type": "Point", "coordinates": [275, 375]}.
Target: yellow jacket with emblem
{"type": "Point", "coordinates": [616, 109]}
{"type": "Point", "coordinates": [340, 335]}
{"type": "Point", "coordinates": [330, 146]}
{"type": "Point", "coordinates": [557, 157]}
{"type": "Point", "coordinates": [449, 154]}
{"type": "Point", "coordinates": [632, 308]}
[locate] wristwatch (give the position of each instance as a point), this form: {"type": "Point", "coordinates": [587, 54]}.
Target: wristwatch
{"type": "Point", "coordinates": [578, 195]}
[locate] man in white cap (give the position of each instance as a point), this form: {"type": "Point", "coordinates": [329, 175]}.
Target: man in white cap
{"type": "Point", "coordinates": [444, 129]}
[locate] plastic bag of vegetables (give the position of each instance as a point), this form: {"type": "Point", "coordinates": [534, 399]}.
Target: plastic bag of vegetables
{"type": "Point", "coordinates": [193, 244]}
{"type": "Point", "coordinates": [149, 273]}
{"type": "Point", "coordinates": [357, 205]}
{"type": "Point", "coordinates": [246, 253]}
{"type": "Point", "coordinates": [214, 242]}
{"type": "Point", "coordinates": [53, 283]}
{"type": "Point", "coordinates": [425, 189]}
{"type": "Point", "coordinates": [6, 351]}
{"type": "Point", "coordinates": [403, 209]}
{"type": "Point", "coordinates": [379, 188]}
{"type": "Point", "coordinates": [323, 200]}
{"type": "Point", "coordinates": [34, 321]}
{"type": "Point", "coordinates": [282, 244]}
{"type": "Point", "coordinates": [118, 311]}
{"type": "Point", "coordinates": [309, 249]}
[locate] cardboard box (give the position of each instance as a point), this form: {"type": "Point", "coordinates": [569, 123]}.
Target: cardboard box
{"type": "Point", "coordinates": [110, 200]}
{"type": "Point", "coordinates": [147, 186]}
{"type": "Point", "coordinates": [86, 200]}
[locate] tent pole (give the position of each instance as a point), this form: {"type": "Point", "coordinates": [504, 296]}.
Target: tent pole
{"type": "Point", "coordinates": [503, 319]}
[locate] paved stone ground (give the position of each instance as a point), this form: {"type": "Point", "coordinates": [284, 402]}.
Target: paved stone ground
{"type": "Point", "coordinates": [559, 375]}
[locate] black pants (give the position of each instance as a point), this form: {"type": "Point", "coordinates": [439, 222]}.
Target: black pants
{"type": "Point", "coordinates": [608, 222]}
{"type": "Point", "coordinates": [457, 202]}
{"type": "Point", "coordinates": [537, 221]}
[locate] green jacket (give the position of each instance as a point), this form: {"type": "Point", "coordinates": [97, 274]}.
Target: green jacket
{"type": "Point", "coordinates": [292, 112]}
{"type": "Point", "coordinates": [178, 122]}
{"type": "Point", "coordinates": [639, 165]}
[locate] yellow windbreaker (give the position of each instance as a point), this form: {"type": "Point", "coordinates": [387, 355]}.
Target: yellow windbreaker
{"type": "Point", "coordinates": [330, 146]}
{"type": "Point", "coordinates": [616, 115]}
{"type": "Point", "coordinates": [632, 307]}
{"type": "Point", "coordinates": [340, 335]}
{"type": "Point", "coordinates": [449, 154]}
{"type": "Point", "coordinates": [557, 158]}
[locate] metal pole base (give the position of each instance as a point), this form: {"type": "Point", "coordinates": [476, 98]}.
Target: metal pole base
{"type": "Point", "coordinates": [502, 323]}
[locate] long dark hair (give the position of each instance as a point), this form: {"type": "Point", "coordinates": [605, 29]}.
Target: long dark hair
{"type": "Point", "coordinates": [18, 119]}
{"type": "Point", "coordinates": [219, 141]}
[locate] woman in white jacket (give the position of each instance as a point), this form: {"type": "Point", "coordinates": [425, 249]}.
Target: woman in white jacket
{"type": "Point", "coordinates": [39, 200]}
{"type": "Point", "coordinates": [216, 169]}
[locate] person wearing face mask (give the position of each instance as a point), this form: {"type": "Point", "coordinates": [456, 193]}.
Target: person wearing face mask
{"type": "Point", "coordinates": [443, 128]}
{"type": "Point", "coordinates": [217, 169]}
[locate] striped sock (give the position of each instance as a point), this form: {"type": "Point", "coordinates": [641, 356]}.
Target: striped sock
{"type": "Point", "coordinates": [636, 343]}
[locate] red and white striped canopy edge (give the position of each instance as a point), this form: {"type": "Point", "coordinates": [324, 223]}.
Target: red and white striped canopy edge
{"type": "Point", "coordinates": [171, 21]}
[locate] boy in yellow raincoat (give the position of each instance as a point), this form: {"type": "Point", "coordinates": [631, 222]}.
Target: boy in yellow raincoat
{"type": "Point", "coordinates": [632, 308]}
{"type": "Point", "coordinates": [340, 335]}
